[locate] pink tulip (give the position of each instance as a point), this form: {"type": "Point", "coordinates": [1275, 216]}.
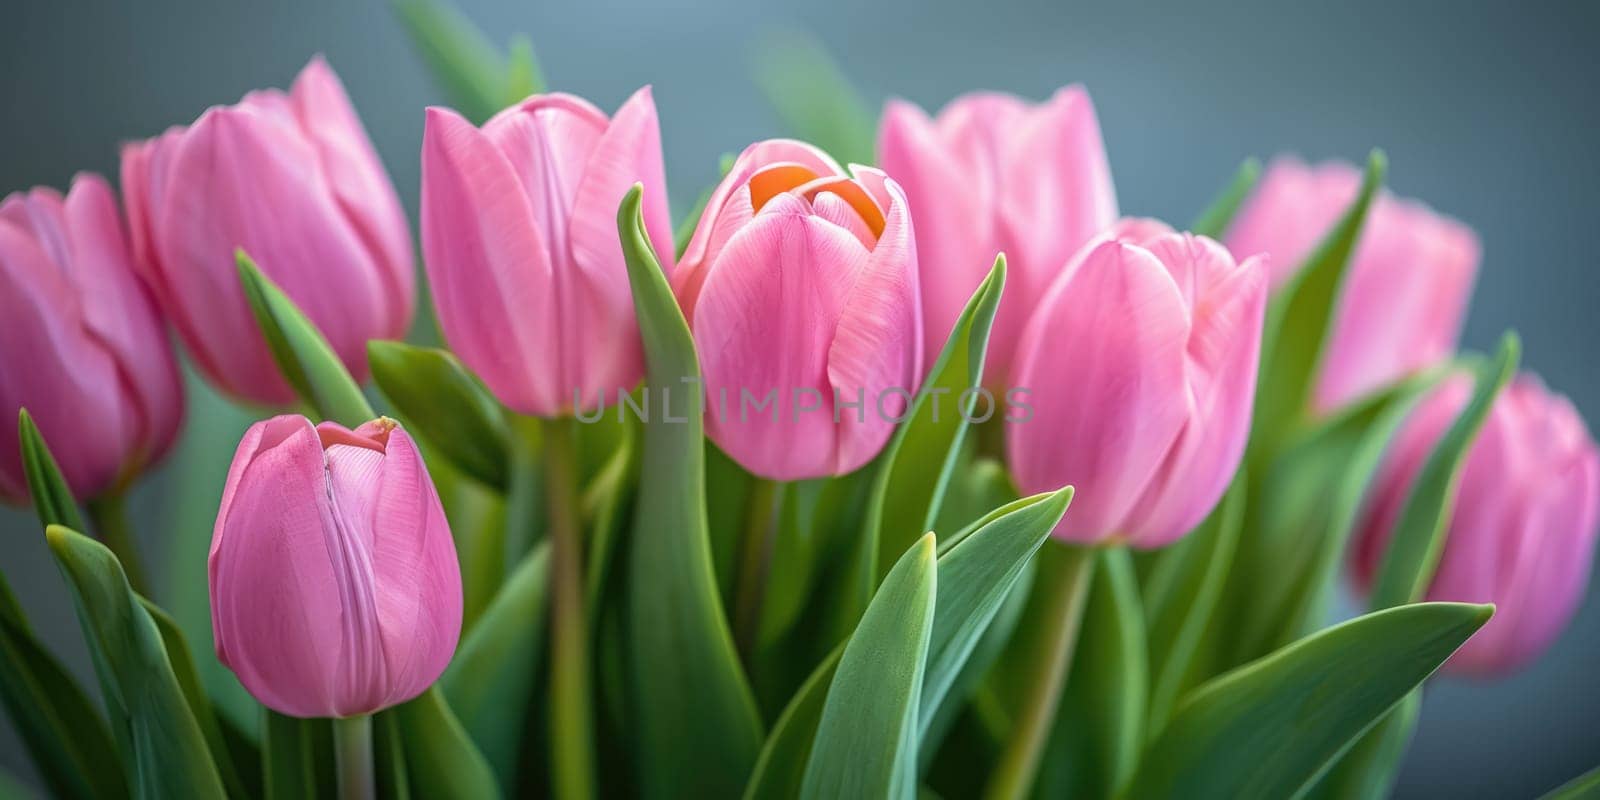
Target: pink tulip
{"type": "Point", "coordinates": [292, 180]}
{"type": "Point", "coordinates": [1406, 289]}
{"type": "Point", "coordinates": [519, 233]}
{"type": "Point", "coordinates": [800, 284]}
{"type": "Point", "coordinates": [334, 584]}
{"type": "Point", "coordinates": [82, 347]}
{"type": "Point", "coordinates": [993, 173]}
{"type": "Point", "coordinates": [1522, 533]}
{"type": "Point", "coordinates": [1140, 367]}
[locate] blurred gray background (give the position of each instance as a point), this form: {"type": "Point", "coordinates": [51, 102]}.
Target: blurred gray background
{"type": "Point", "coordinates": [1486, 112]}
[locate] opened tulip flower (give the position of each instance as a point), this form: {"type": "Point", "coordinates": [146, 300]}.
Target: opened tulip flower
{"type": "Point", "coordinates": [293, 181]}
{"type": "Point", "coordinates": [994, 173]}
{"type": "Point", "coordinates": [1406, 288]}
{"type": "Point", "coordinates": [1522, 531]}
{"type": "Point", "coordinates": [800, 286]}
{"type": "Point", "coordinates": [334, 584]}
{"type": "Point", "coordinates": [1140, 367]}
{"type": "Point", "coordinates": [82, 346]}
{"type": "Point", "coordinates": [519, 234]}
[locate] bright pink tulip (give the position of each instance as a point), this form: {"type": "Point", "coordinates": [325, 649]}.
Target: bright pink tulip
{"type": "Point", "coordinates": [293, 180]}
{"type": "Point", "coordinates": [994, 173]}
{"type": "Point", "coordinates": [1406, 289]}
{"type": "Point", "coordinates": [801, 282]}
{"type": "Point", "coordinates": [334, 584]}
{"type": "Point", "coordinates": [1522, 534]}
{"type": "Point", "coordinates": [519, 233]}
{"type": "Point", "coordinates": [82, 346]}
{"type": "Point", "coordinates": [1140, 366]}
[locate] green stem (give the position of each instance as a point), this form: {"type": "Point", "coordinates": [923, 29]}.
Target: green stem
{"type": "Point", "coordinates": [1064, 575]}
{"type": "Point", "coordinates": [352, 746]}
{"type": "Point", "coordinates": [109, 514]}
{"type": "Point", "coordinates": [571, 733]}
{"type": "Point", "coordinates": [755, 561]}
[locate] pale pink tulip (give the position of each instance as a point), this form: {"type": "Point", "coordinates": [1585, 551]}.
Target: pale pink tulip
{"type": "Point", "coordinates": [801, 282]}
{"type": "Point", "coordinates": [334, 584]}
{"type": "Point", "coordinates": [1406, 289]}
{"type": "Point", "coordinates": [994, 173]}
{"type": "Point", "coordinates": [519, 234]}
{"type": "Point", "coordinates": [1140, 367]}
{"type": "Point", "coordinates": [82, 346]}
{"type": "Point", "coordinates": [292, 180]}
{"type": "Point", "coordinates": [1522, 532]}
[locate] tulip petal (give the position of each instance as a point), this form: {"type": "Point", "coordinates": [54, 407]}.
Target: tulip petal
{"type": "Point", "coordinates": [273, 585]}
{"type": "Point", "coordinates": [778, 287]}
{"type": "Point", "coordinates": [360, 186]}
{"type": "Point", "coordinates": [1103, 360]}
{"type": "Point", "coordinates": [488, 265]}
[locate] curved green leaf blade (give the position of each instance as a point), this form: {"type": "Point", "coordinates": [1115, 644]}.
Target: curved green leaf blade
{"type": "Point", "coordinates": [866, 741]}
{"type": "Point", "coordinates": [288, 760]}
{"type": "Point", "coordinates": [698, 734]}
{"type": "Point", "coordinates": [1267, 729]}
{"type": "Point", "coordinates": [238, 782]}
{"type": "Point", "coordinates": [1100, 726]}
{"type": "Point", "coordinates": [1368, 768]}
{"type": "Point", "coordinates": [1419, 532]}
{"type": "Point", "coordinates": [164, 751]}
{"type": "Point", "coordinates": [1583, 787]}
{"type": "Point", "coordinates": [491, 680]}
{"type": "Point", "coordinates": [976, 574]}
{"type": "Point", "coordinates": [52, 500]}
{"type": "Point", "coordinates": [302, 354]}
{"type": "Point", "coordinates": [1298, 320]}
{"type": "Point", "coordinates": [814, 99]}
{"type": "Point", "coordinates": [1214, 221]}
{"type": "Point", "coordinates": [476, 79]}
{"type": "Point", "coordinates": [440, 758]}
{"type": "Point", "coordinates": [444, 402]}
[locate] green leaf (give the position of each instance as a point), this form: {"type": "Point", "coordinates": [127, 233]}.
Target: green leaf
{"type": "Point", "coordinates": [1270, 727]}
{"type": "Point", "coordinates": [1419, 532]}
{"type": "Point", "coordinates": [445, 403]}
{"type": "Point", "coordinates": [64, 735]}
{"type": "Point", "coordinates": [163, 749]}
{"type": "Point", "coordinates": [440, 758]}
{"type": "Point", "coordinates": [866, 741]}
{"type": "Point", "coordinates": [389, 756]}
{"type": "Point", "coordinates": [288, 760]}
{"type": "Point", "coordinates": [238, 783]}
{"type": "Point", "coordinates": [814, 99]}
{"type": "Point", "coordinates": [1583, 787]}
{"type": "Point", "coordinates": [1299, 318]}
{"type": "Point", "coordinates": [52, 500]}
{"type": "Point", "coordinates": [303, 356]}
{"type": "Point", "coordinates": [1368, 768]}
{"type": "Point", "coordinates": [1183, 592]}
{"type": "Point", "coordinates": [1214, 221]}
{"type": "Point", "coordinates": [977, 573]}
{"type": "Point", "coordinates": [476, 78]}
{"type": "Point", "coordinates": [491, 680]}
{"type": "Point", "coordinates": [1100, 726]}
{"type": "Point", "coordinates": [698, 732]}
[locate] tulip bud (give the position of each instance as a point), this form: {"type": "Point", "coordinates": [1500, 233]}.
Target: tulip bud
{"type": "Point", "coordinates": [82, 345]}
{"type": "Point", "coordinates": [519, 233]}
{"type": "Point", "coordinates": [1140, 364]}
{"type": "Point", "coordinates": [1405, 291]}
{"type": "Point", "coordinates": [292, 180]}
{"type": "Point", "coordinates": [800, 286]}
{"type": "Point", "coordinates": [993, 173]}
{"type": "Point", "coordinates": [1522, 531]}
{"type": "Point", "coordinates": [334, 584]}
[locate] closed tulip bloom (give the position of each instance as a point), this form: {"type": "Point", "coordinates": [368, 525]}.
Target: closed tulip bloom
{"type": "Point", "coordinates": [292, 180]}
{"type": "Point", "coordinates": [334, 584]}
{"type": "Point", "coordinates": [1406, 288]}
{"type": "Point", "coordinates": [1140, 364]}
{"type": "Point", "coordinates": [994, 173]}
{"type": "Point", "coordinates": [82, 346]}
{"type": "Point", "coordinates": [800, 285]}
{"type": "Point", "coordinates": [519, 234]}
{"type": "Point", "coordinates": [1522, 531]}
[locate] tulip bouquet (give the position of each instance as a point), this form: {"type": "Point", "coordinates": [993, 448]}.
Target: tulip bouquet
{"type": "Point", "coordinates": [931, 478]}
